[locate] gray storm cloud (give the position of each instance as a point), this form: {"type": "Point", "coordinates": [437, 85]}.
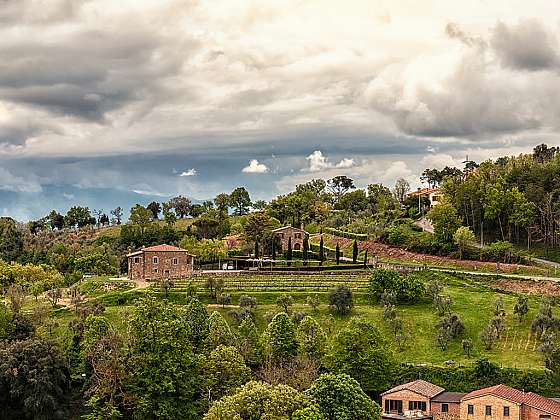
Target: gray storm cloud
{"type": "Point", "coordinates": [529, 45]}
{"type": "Point", "coordinates": [110, 94]}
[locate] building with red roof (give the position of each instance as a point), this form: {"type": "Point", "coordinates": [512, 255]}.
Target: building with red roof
{"type": "Point", "coordinates": [423, 400]}
{"type": "Point", "coordinates": [160, 262]}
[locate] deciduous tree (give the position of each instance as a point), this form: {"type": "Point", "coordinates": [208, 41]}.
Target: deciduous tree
{"type": "Point", "coordinates": [361, 351]}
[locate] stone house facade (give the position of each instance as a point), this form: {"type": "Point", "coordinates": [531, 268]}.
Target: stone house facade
{"type": "Point", "coordinates": [160, 262]}
{"type": "Point", "coordinates": [447, 405]}
{"type": "Point", "coordinates": [502, 402]}
{"type": "Point", "coordinates": [287, 232]}
{"type": "Point", "coordinates": [410, 399]}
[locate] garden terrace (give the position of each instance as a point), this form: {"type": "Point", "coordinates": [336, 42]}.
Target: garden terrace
{"type": "Point", "coordinates": [279, 282]}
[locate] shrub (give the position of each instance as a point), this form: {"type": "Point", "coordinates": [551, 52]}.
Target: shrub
{"type": "Point", "coordinates": [341, 299]}
{"type": "Point", "coordinates": [406, 288]}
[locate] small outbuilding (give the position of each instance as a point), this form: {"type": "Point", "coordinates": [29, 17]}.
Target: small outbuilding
{"type": "Point", "coordinates": [297, 236]}
{"type": "Point", "coordinates": [160, 262]}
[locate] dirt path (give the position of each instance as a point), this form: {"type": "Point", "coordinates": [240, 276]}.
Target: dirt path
{"type": "Point", "coordinates": [388, 252]}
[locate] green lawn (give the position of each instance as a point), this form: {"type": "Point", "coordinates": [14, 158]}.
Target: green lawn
{"type": "Point", "coordinates": [472, 298]}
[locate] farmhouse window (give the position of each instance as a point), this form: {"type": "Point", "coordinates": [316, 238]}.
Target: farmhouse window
{"type": "Point", "coordinates": [488, 410]}
{"type": "Point", "coordinates": [393, 405]}
{"type": "Point", "coordinates": [544, 417]}
{"type": "Point", "coordinates": [155, 270]}
{"type": "Point", "coordinates": [506, 411]}
{"type": "Point", "coordinates": [155, 260]}
{"type": "Point", "coordinates": [175, 261]}
{"type": "Point", "coordinates": [417, 405]}
{"type": "Point", "coordinates": [298, 235]}
{"type": "Point", "coordinates": [470, 409]}
{"type": "Point", "coordinates": [444, 408]}
{"type": "Point", "coordinates": [136, 260]}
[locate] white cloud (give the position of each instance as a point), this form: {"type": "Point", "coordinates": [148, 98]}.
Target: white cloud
{"type": "Point", "coordinates": [190, 172]}
{"type": "Point", "coordinates": [319, 162]}
{"type": "Point", "coordinates": [345, 163]}
{"type": "Point", "coordinates": [255, 167]}
{"type": "Point", "coordinates": [440, 161]}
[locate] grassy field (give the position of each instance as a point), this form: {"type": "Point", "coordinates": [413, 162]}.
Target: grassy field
{"type": "Point", "coordinates": [472, 298]}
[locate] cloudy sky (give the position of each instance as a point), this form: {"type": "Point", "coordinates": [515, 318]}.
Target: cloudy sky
{"type": "Point", "coordinates": [110, 102]}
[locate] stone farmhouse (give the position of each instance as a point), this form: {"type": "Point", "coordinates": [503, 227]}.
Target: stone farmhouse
{"type": "Point", "coordinates": [297, 235]}
{"type": "Point", "coordinates": [160, 262]}
{"type": "Point", "coordinates": [424, 400]}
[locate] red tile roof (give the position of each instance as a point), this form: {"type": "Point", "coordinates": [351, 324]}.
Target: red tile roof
{"type": "Point", "coordinates": [419, 386]}
{"type": "Point", "coordinates": [160, 248]}
{"type": "Point", "coordinates": [514, 395]}
{"type": "Point", "coordinates": [163, 248]}
{"type": "Point", "coordinates": [502, 391]}
{"type": "Point", "coordinates": [542, 403]}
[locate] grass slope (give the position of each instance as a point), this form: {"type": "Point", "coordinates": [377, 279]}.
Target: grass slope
{"type": "Point", "coordinates": [472, 298]}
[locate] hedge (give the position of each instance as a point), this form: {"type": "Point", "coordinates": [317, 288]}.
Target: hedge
{"type": "Point", "coordinates": [345, 234]}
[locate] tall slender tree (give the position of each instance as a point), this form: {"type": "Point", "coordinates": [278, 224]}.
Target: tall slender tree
{"type": "Point", "coordinates": [321, 251]}
{"type": "Point", "coordinates": [355, 252]}
{"type": "Point", "coordinates": [337, 254]}
{"type": "Point", "coordinates": [289, 254]}
{"type": "Point", "coordinates": [305, 250]}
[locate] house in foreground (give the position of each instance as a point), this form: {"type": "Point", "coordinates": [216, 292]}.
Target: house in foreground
{"type": "Point", "coordinates": [160, 262]}
{"type": "Point", "coordinates": [424, 400]}
{"type": "Point", "coordinates": [297, 236]}
{"type": "Point", "coordinates": [419, 399]}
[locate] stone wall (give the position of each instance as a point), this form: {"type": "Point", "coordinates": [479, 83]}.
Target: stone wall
{"type": "Point", "coordinates": [479, 404]}
{"type": "Point", "coordinates": [290, 232]}
{"type": "Point", "coordinates": [405, 396]}
{"type": "Point", "coordinates": [157, 265]}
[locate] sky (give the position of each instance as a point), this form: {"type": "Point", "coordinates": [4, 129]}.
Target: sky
{"type": "Point", "coordinates": [106, 103]}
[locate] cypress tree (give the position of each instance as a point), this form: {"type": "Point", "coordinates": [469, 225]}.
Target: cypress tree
{"type": "Point", "coordinates": [256, 249]}
{"type": "Point", "coordinates": [365, 259]}
{"type": "Point", "coordinates": [355, 252]}
{"type": "Point", "coordinates": [274, 250]}
{"type": "Point", "coordinates": [305, 250]}
{"type": "Point", "coordinates": [289, 254]}
{"type": "Point", "coordinates": [337, 254]}
{"type": "Point", "coordinates": [321, 251]}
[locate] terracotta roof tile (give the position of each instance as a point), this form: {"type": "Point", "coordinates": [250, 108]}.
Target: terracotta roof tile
{"type": "Point", "coordinates": [419, 386]}
{"type": "Point", "coordinates": [542, 403]}
{"type": "Point", "coordinates": [514, 395]}
{"type": "Point", "coordinates": [163, 248]}
{"type": "Point", "coordinates": [502, 391]}
{"type": "Point", "coordinates": [160, 248]}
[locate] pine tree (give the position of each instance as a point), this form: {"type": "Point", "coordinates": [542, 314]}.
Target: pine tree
{"type": "Point", "coordinates": [355, 252]}
{"type": "Point", "coordinates": [219, 331]}
{"type": "Point", "coordinates": [281, 338]}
